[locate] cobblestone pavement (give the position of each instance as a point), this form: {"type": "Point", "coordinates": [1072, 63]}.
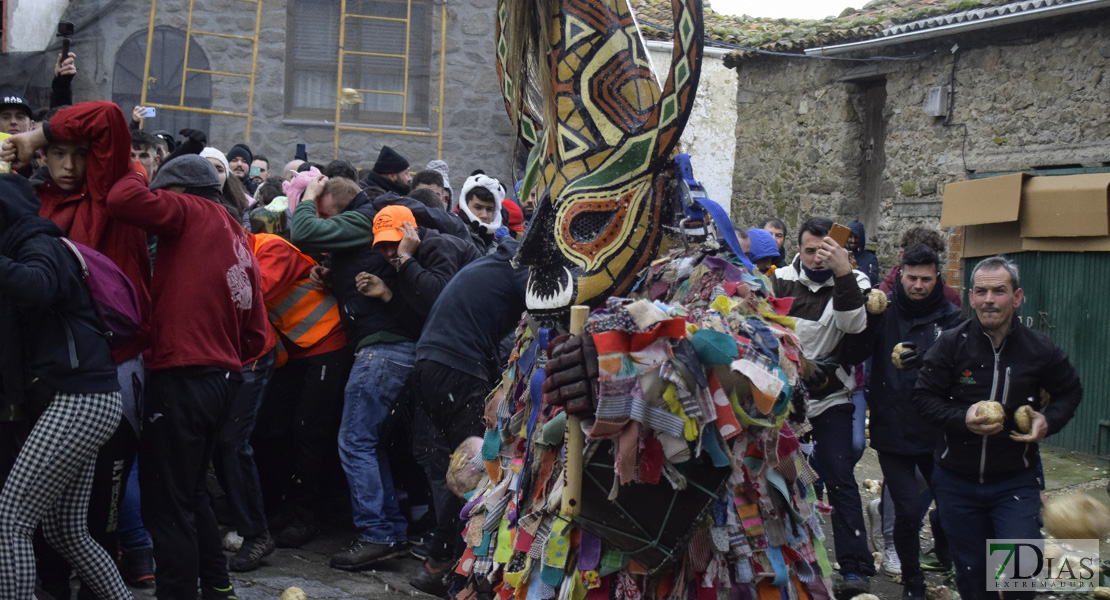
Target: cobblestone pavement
{"type": "Point", "coordinates": [307, 568]}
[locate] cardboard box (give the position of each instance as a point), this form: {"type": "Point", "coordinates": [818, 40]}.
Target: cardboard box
{"type": "Point", "coordinates": [1015, 213]}
{"type": "Point", "coordinates": [1065, 206]}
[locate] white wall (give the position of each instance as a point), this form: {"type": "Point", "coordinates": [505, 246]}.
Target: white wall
{"type": "Point", "coordinates": [33, 23]}
{"type": "Point", "coordinates": [708, 137]}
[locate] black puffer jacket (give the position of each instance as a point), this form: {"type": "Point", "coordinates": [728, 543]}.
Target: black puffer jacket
{"type": "Point", "coordinates": [895, 426]}
{"type": "Point", "coordinates": [44, 304]}
{"type": "Point", "coordinates": [963, 367]}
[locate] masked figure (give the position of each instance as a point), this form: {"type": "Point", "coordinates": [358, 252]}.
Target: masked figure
{"type": "Point", "coordinates": [602, 130]}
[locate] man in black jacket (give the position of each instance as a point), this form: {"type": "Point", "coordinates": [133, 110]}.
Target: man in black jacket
{"type": "Point", "coordinates": [987, 477]}
{"type": "Point", "coordinates": [390, 172]}
{"type": "Point", "coordinates": [457, 362]}
{"type": "Point", "coordinates": [916, 316]}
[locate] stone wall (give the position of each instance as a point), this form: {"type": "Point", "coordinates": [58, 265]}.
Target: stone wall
{"type": "Point", "coordinates": [1026, 96]}
{"type": "Point", "coordinates": [706, 137]}
{"type": "Point", "coordinates": [476, 130]}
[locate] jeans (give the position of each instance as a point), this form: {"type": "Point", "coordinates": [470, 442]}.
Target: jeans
{"type": "Point", "coordinates": [832, 457]}
{"type": "Point", "coordinates": [1007, 509]}
{"type": "Point", "coordinates": [900, 479]}
{"type": "Point", "coordinates": [184, 410]}
{"type": "Point", "coordinates": [378, 377]}
{"type": "Point", "coordinates": [234, 457]}
{"type": "Point", "coordinates": [859, 425]}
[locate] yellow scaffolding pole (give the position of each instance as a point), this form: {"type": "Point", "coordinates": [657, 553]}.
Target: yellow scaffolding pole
{"type": "Point", "coordinates": [185, 69]}
{"type": "Point", "coordinates": [404, 94]}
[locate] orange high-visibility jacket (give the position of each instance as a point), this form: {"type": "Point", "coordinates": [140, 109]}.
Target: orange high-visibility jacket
{"type": "Point", "coordinates": [302, 314]}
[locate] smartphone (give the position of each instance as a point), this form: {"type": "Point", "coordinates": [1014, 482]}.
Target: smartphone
{"type": "Point", "coordinates": [840, 233]}
{"type": "Point", "coordinates": [149, 112]}
{"type": "Point", "coordinates": [302, 152]}
{"type": "Point", "coordinates": [255, 172]}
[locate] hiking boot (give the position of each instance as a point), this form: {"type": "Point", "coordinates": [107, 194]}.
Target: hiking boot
{"type": "Point", "coordinates": [433, 579]}
{"type": "Point", "coordinates": [852, 585]}
{"type": "Point", "coordinates": [298, 533]}
{"type": "Point", "coordinates": [421, 551]}
{"type": "Point", "coordinates": [137, 567]}
{"type": "Point", "coordinates": [361, 554]}
{"type": "Point", "coordinates": [218, 593]}
{"type": "Point", "coordinates": [254, 548]}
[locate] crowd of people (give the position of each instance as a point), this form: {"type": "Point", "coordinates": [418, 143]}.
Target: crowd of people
{"type": "Point", "coordinates": [296, 320]}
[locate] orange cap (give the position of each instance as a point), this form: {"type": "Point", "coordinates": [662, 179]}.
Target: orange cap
{"type": "Point", "coordinates": [390, 222]}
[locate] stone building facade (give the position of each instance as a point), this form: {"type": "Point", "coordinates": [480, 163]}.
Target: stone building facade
{"type": "Point", "coordinates": [852, 140]}
{"type": "Point", "coordinates": [111, 41]}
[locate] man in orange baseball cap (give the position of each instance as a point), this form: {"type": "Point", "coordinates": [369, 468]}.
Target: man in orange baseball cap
{"type": "Point", "coordinates": [425, 260]}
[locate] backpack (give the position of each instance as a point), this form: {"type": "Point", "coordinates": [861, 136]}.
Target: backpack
{"type": "Point", "coordinates": [113, 296]}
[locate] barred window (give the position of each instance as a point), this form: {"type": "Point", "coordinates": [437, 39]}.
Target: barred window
{"type": "Point", "coordinates": [388, 45]}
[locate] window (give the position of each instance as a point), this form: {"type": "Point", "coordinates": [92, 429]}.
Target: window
{"type": "Point", "coordinates": [378, 31]}
{"type": "Point", "coordinates": [166, 63]}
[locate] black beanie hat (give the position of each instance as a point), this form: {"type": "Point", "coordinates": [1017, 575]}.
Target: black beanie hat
{"type": "Point", "coordinates": [189, 171]}
{"type": "Point", "coordinates": [390, 162]}
{"type": "Point", "coordinates": [242, 151]}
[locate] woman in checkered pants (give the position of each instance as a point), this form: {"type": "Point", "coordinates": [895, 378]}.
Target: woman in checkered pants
{"type": "Point", "coordinates": [53, 359]}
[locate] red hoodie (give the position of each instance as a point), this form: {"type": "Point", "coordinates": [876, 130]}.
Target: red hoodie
{"type": "Point", "coordinates": [207, 287]}
{"type": "Point", "coordinates": [83, 215]}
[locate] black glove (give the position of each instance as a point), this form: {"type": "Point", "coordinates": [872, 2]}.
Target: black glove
{"type": "Point", "coordinates": [908, 358]}
{"type": "Point", "coordinates": [571, 374]}
{"type": "Point", "coordinates": [823, 381]}
{"type": "Point", "coordinates": [195, 141]}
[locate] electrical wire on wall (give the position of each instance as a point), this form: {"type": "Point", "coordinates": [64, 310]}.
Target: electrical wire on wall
{"type": "Point", "coordinates": [952, 106]}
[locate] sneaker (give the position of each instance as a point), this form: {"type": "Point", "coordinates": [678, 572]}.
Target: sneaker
{"type": "Point", "coordinates": [361, 554]}
{"type": "Point", "coordinates": [137, 567]}
{"type": "Point", "coordinates": [433, 579]}
{"type": "Point", "coordinates": [297, 533]}
{"type": "Point", "coordinates": [218, 593]}
{"type": "Point", "coordinates": [892, 565]}
{"type": "Point", "coordinates": [852, 585]}
{"type": "Point", "coordinates": [250, 555]}
{"type": "Point", "coordinates": [875, 524]}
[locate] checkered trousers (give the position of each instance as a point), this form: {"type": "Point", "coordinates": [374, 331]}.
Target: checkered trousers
{"type": "Point", "coordinates": [51, 482]}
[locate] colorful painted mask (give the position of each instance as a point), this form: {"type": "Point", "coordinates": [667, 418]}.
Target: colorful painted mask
{"type": "Point", "coordinates": [602, 134]}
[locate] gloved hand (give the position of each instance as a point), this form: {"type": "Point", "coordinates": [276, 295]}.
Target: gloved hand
{"type": "Point", "coordinates": [196, 136]}
{"type": "Point", "coordinates": [906, 356]}
{"type": "Point", "coordinates": [823, 380]}
{"type": "Point", "coordinates": [571, 374]}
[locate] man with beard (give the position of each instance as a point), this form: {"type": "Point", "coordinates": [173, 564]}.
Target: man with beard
{"type": "Point", "coordinates": [916, 316]}
{"type": "Point", "coordinates": [239, 160]}
{"type": "Point", "coordinates": [390, 173]}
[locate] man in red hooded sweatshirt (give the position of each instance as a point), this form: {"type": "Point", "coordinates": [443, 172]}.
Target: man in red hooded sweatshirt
{"type": "Point", "coordinates": [209, 318]}
{"type": "Point", "coordinates": [86, 150]}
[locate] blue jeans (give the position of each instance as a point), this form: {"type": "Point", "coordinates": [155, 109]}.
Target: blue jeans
{"type": "Point", "coordinates": [1007, 509]}
{"type": "Point", "coordinates": [859, 425]}
{"type": "Point", "coordinates": [378, 377]}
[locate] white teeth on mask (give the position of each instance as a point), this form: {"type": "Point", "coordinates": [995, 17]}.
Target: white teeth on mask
{"type": "Point", "coordinates": [560, 298]}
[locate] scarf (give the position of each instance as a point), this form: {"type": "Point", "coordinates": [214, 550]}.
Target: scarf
{"type": "Point", "coordinates": [918, 308]}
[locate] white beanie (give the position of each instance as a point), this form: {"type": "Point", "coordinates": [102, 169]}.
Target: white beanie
{"type": "Point", "coordinates": [210, 152]}
{"type": "Point", "coordinates": [495, 188]}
